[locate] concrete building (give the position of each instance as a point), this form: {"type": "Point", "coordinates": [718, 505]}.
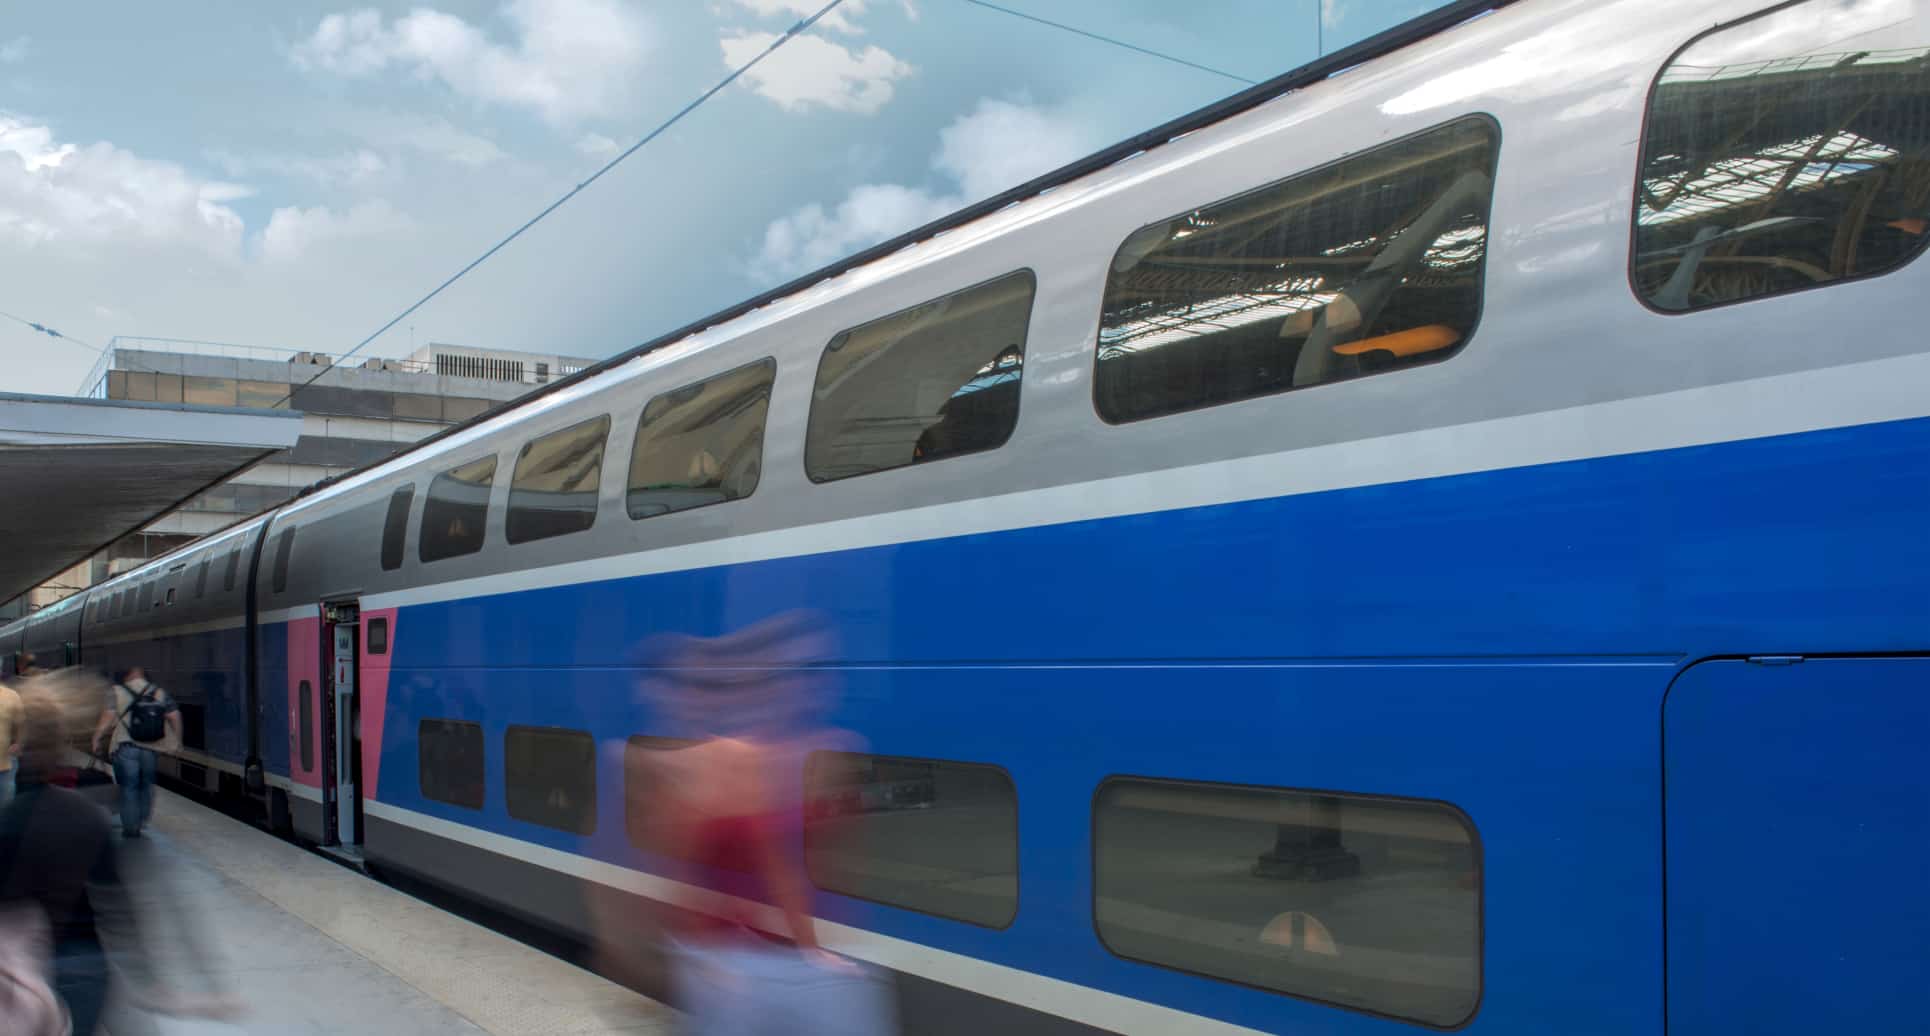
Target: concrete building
{"type": "Point", "coordinates": [352, 415]}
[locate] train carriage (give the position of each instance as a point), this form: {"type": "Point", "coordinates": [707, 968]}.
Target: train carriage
{"type": "Point", "coordinates": [1435, 547]}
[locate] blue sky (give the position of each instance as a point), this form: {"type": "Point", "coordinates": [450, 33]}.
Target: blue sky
{"type": "Point", "coordinates": [294, 174]}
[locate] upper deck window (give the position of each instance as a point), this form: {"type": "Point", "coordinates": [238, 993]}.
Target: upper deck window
{"type": "Point", "coordinates": [937, 380]}
{"type": "Point", "coordinates": [455, 511]}
{"type": "Point", "coordinates": [1370, 264]}
{"type": "Point", "coordinates": [1785, 152]}
{"type": "Point", "coordinates": [554, 488]}
{"type": "Point", "coordinates": [395, 527]}
{"type": "Point", "coordinates": [284, 546]}
{"type": "Point", "coordinates": [701, 444]}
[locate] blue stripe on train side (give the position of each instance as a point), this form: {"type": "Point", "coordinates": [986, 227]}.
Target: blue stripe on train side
{"type": "Point", "coordinates": [1149, 644]}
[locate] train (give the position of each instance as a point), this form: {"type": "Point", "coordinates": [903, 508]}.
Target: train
{"type": "Point", "coordinates": [1435, 541]}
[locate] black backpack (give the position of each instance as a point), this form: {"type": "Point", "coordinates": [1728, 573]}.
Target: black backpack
{"type": "Point", "coordinates": [146, 718]}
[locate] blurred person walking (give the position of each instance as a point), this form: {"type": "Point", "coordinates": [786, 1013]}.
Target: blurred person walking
{"type": "Point", "coordinates": [724, 805]}
{"type": "Point", "coordinates": [141, 717]}
{"type": "Point", "coordinates": [9, 739]}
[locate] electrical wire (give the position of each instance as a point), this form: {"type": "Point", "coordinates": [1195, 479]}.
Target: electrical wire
{"type": "Point", "coordinates": [789, 34]}
{"type": "Point", "coordinates": [49, 332]}
{"type": "Point", "coordinates": [1108, 39]}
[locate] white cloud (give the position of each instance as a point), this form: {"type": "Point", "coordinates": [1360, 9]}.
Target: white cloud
{"type": "Point", "coordinates": [810, 70]}
{"type": "Point", "coordinates": [15, 50]}
{"type": "Point", "coordinates": [570, 59]}
{"type": "Point", "coordinates": [999, 144]}
{"type": "Point", "coordinates": [350, 169]}
{"type": "Point", "coordinates": [294, 231]}
{"type": "Point", "coordinates": [1331, 12]}
{"type": "Point", "coordinates": [54, 192]}
{"type": "Point", "coordinates": [596, 145]}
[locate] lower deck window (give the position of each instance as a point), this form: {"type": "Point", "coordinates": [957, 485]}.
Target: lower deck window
{"type": "Point", "coordinates": [937, 837]}
{"type": "Point", "coordinates": [449, 761]}
{"type": "Point", "coordinates": [549, 777]}
{"type": "Point", "coordinates": [644, 766]}
{"type": "Point", "coordinates": [1367, 903]}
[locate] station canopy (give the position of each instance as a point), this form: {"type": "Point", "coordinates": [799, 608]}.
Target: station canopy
{"type": "Point", "coordinates": [78, 474]}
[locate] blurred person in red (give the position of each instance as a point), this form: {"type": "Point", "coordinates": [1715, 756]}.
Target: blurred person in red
{"type": "Point", "coordinates": [725, 799]}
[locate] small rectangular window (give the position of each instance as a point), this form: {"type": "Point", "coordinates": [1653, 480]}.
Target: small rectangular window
{"type": "Point", "coordinates": [234, 567]}
{"type": "Point", "coordinates": [1369, 264]}
{"type": "Point", "coordinates": [456, 510]}
{"type": "Point", "coordinates": [170, 599]}
{"type": "Point", "coordinates": [201, 577]}
{"type": "Point", "coordinates": [1368, 903]}
{"type": "Point", "coordinates": [378, 637]}
{"type": "Point", "coordinates": [553, 490]}
{"type": "Point", "coordinates": [701, 444]}
{"type": "Point", "coordinates": [937, 380]}
{"type": "Point", "coordinates": [936, 837]}
{"type": "Point", "coordinates": [284, 545]}
{"type": "Point", "coordinates": [1785, 152]}
{"type": "Point", "coordinates": [549, 777]}
{"type": "Point", "coordinates": [146, 602]}
{"type": "Point", "coordinates": [306, 702]}
{"type": "Point", "coordinates": [641, 758]}
{"type": "Point", "coordinates": [449, 762]}
{"type": "Point", "coordinates": [395, 528]}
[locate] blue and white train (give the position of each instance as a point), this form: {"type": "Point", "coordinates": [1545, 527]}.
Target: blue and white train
{"type": "Point", "coordinates": [1436, 541]}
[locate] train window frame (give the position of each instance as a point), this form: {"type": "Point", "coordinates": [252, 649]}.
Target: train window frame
{"type": "Point", "coordinates": [395, 527]}
{"type": "Point", "coordinates": [517, 515]}
{"type": "Point", "coordinates": [469, 728]}
{"type": "Point", "coordinates": [284, 546]}
{"type": "Point", "coordinates": [1475, 844]}
{"type": "Point", "coordinates": [1433, 354]}
{"type": "Point", "coordinates": [430, 510]}
{"type": "Point", "coordinates": [511, 799]}
{"type": "Point", "coordinates": [811, 871]}
{"type": "Point", "coordinates": [1031, 279]}
{"type": "Point", "coordinates": [638, 443]}
{"type": "Point", "coordinates": [1642, 161]}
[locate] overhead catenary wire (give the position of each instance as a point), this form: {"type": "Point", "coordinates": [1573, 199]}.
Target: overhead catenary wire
{"type": "Point", "coordinates": [789, 34]}
{"type": "Point", "coordinates": [1108, 39]}
{"type": "Point", "coordinates": [48, 331]}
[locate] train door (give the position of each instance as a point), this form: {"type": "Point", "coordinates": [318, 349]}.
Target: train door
{"type": "Point", "coordinates": [1797, 811]}
{"type": "Point", "coordinates": [342, 777]}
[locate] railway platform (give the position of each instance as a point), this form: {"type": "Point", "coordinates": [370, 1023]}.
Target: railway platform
{"type": "Point", "coordinates": [300, 944]}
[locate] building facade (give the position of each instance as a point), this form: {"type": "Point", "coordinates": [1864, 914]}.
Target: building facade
{"type": "Point", "coordinates": [353, 415]}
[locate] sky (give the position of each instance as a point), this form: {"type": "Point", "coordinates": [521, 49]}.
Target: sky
{"type": "Point", "coordinates": [295, 174]}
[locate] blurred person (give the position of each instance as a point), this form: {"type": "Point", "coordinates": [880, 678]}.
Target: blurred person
{"type": "Point", "coordinates": [9, 739]}
{"type": "Point", "coordinates": [56, 853]}
{"type": "Point", "coordinates": [731, 802]}
{"type": "Point", "coordinates": [140, 717]}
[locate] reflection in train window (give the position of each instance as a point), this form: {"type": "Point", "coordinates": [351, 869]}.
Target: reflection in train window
{"type": "Point", "coordinates": [553, 489]}
{"type": "Point", "coordinates": [1784, 152]}
{"type": "Point", "coordinates": [1370, 264]}
{"type": "Point", "coordinates": [455, 511]}
{"type": "Point", "coordinates": [395, 527]}
{"type": "Point", "coordinates": [937, 837]}
{"type": "Point", "coordinates": [1367, 903]}
{"type": "Point", "coordinates": [549, 777]}
{"type": "Point", "coordinates": [701, 444]}
{"type": "Point", "coordinates": [449, 762]}
{"type": "Point", "coordinates": [283, 546]}
{"type": "Point", "coordinates": [645, 760]}
{"type": "Point", "coordinates": [937, 380]}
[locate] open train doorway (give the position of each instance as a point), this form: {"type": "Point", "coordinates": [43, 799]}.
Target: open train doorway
{"type": "Point", "coordinates": [342, 754]}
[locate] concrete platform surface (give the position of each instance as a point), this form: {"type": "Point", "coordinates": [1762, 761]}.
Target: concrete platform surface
{"type": "Point", "coordinates": [308, 946]}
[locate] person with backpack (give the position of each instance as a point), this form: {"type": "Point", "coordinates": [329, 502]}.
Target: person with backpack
{"type": "Point", "coordinates": [140, 718]}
